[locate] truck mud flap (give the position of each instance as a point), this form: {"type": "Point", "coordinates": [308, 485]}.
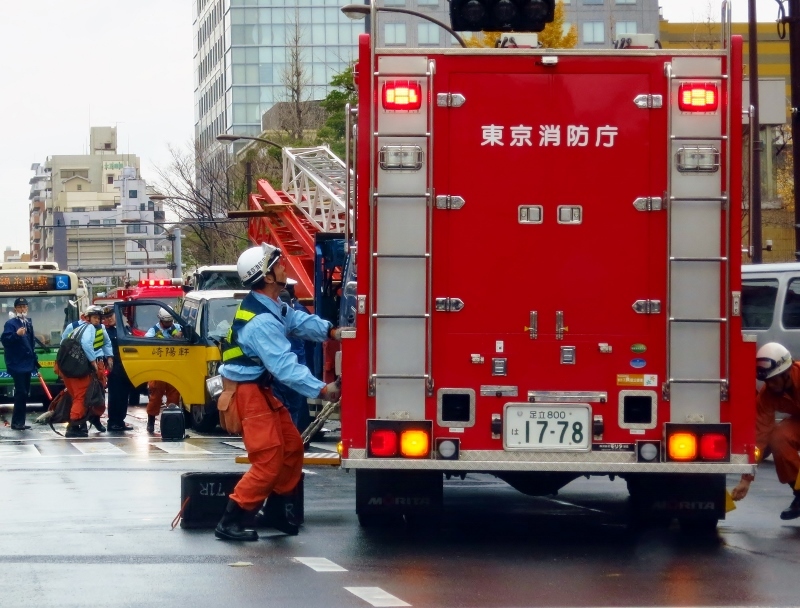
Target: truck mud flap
{"type": "Point", "coordinates": [687, 497]}
{"type": "Point", "coordinates": [398, 492]}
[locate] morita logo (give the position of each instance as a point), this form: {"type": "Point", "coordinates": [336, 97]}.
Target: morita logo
{"type": "Point", "coordinates": [390, 501]}
{"type": "Point", "coordinates": [684, 505]}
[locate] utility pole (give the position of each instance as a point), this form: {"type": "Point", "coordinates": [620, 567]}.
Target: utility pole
{"type": "Point", "coordinates": [755, 137]}
{"type": "Point", "coordinates": [794, 59]}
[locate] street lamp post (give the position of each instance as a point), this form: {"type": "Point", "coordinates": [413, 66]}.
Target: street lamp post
{"type": "Point", "coordinates": [248, 174]}
{"type": "Point", "coordinates": [143, 245]}
{"type": "Point", "coordinates": [173, 235]}
{"type": "Point", "coordinates": [360, 11]}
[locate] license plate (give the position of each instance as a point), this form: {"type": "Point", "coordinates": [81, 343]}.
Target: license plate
{"type": "Point", "coordinates": [555, 427]}
{"type": "Point", "coordinates": [47, 363]}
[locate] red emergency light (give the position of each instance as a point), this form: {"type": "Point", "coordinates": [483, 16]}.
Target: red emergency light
{"type": "Point", "coordinates": [402, 95]}
{"type": "Point", "coordinates": [155, 283]}
{"type": "Point", "coordinates": [698, 97]}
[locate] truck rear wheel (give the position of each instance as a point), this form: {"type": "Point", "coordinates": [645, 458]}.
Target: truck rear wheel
{"type": "Point", "coordinates": [204, 418]}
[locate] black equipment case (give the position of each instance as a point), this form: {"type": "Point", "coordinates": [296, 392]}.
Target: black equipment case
{"type": "Point", "coordinates": [173, 423]}
{"type": "Point", "coordinates": [207, 495]}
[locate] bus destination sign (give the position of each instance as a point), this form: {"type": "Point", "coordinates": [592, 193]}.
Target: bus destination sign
{"type": "Point", "coordinates": [24, 281]}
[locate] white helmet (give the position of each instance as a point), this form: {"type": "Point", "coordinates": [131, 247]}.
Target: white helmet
{"type": "Point", "coordinates": [163, 315]}
{"type": "Point", "coordinates": [771, 360]}
{"type": "Point", "coordinates": [255, 262]}
{"type": "Point", "coordinates": [94, 310]}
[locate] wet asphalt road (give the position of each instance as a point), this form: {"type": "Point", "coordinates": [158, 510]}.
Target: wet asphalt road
{"type": "Point", "coordinates": [87, 523]}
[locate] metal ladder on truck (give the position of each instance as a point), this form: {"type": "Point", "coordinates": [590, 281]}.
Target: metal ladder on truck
{"type": "Point", "coordinates": [698, 237]}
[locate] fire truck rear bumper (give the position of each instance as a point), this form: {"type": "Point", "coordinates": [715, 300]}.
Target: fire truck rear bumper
{"type": "Point", "coordinates": [584, 463]}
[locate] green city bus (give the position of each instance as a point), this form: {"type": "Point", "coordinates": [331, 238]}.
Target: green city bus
{"type": "Point", "coordinates": [55, 298]}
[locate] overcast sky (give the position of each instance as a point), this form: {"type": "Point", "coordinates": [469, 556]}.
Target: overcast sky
{"type": "Point", "coordinates": [66, 65]}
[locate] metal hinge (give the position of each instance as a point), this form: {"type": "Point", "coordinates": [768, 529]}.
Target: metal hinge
{"type": "Point", "coordinates": [450, 100]}
{"type": "Point", "coordinates": [446, 201]}
{"type": "Point", "coordinates": [449, 304]}
{"type": "Point", "coordinates": [648, 203]}
{"type": "Point", "coordinates": [647, 307]}
{"type": "Point", "coordinates": [648, 101]}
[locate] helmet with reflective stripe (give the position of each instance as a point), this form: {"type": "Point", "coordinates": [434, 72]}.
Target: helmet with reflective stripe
{"type": "Point", "coordinates": [255, 262]}
{"type": "Point", "coordinates": [771, 360]}
{"type": "Point", "coordinates": [163, 315]}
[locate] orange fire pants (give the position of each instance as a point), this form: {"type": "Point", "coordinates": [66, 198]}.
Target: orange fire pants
{"type": "Point", "coordinates": [157, 389]}
{"type": "Point", "coordinates": [273, 446]}
{"type": "Point", "coordinates": [784, 441]}
{"type": "Point", "coordinates": [77, 388]}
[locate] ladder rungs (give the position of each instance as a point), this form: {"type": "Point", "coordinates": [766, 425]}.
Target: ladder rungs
{"type": "Point", "coordinates": [680, 259]}
{"type": "Point", "coordinates": [405, 75]}
{"type": "Point", "coordinates": [379, 134]}
{"type": "Point", "coordinates": [705, 138]}
{"type": "Point", "coordinates": [401, 376]}
{"type": "Point", "coordinates": [382, 316]}
{"type": "Point", "coordinates": [379, 195]}
{"type": "Point", "coordinates": [689, 320]}
{"type": "Point", "coordinates": [699, 199]}
{"type": "Point", "coordinates": [401, 255]}
{"type": "Point", "coordinates": [697, 381]}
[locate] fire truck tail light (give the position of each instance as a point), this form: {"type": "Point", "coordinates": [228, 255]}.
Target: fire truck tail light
{"type": "Point", "coordinates": [414, 443]}
{"type": "Point", "coordinates": [402, 95]}
{"type": "Point", "coordinates": [698, 97]}
{"type": "Point", "coordinates": [682, 446]}
{"type": "Point", "coordinates": [714, 446]}
{"type": "Point", "coordinates": [383, 443]}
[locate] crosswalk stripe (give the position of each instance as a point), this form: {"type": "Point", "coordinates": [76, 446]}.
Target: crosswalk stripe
{"type": "Point", "coordinates": [19, 451]}
{"type": "Point", "coordinates": [94, 448]}
{"type": "Point", "coordinates": [235, 444]}
{"type": "Point", "coordinates": [320, 564]}
{"type": "Point", "coordinates": [376, 596]}
{"type": "Point", "coordinates": [179, 447]}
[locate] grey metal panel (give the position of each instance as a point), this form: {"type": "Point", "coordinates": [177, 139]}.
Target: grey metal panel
{"type": "Point", "coordinates": [400, 287]}
{"type": "Point", "coordinates": [401, 347]}
{"type": "Point", "coordinates": [684, 67]}
{"type": "Point", "coordinates": [699, 229]}
{"type": "Point", "coordinates": [695, 288]}
{"type": "Point", "coordinates": [403, 182]}
{"type": "Point", "coordinates": [694, 350]}
{"type": "Point", "coordinates": [409, 65]}
{"type": "Point", "coordinates": [411, 214]}
{"type": "Point", "coordinates": [689, 401]}
{"type": "Point", "coordinates": [400, 399]}
{"type": "Point", "coordinates": [694, 185]}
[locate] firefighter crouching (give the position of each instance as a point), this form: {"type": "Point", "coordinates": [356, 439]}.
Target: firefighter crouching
{"type": "Point", "coordinates": [97, 346]}
{"type": "Point", "coordinates": [257, 351]}
{"type": "Point", "coordinates": [167, 329]}
{"type": "Point", "coordinates": [780, 393]}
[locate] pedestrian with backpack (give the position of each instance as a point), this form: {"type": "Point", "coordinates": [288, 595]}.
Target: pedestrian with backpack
{"type": "Point", "coordinates": [96, 346]}
{"type": "Point", "coordinates": [21, 359]}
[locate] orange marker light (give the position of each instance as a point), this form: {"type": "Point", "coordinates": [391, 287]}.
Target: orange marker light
{"type": "Point", "coordinates": [414, 443]}
{"type": "Point", "coordinates": [698, 97]}
{"type": "Point", "coordinates": [402, 95]}
{"type": "Point", "coordinates": [682, 446]}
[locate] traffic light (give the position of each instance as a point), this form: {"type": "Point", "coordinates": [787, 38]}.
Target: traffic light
{"type": "Point", "coordinates": [501, 15]}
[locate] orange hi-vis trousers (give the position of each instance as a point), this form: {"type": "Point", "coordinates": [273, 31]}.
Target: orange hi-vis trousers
{"type": "Point", "coordinates": [784, 441]}
{"type": "Point", "coordinates": [273, 446]}
{"type": "Point", "coordinates": [77, 388]}
{"type": "Point", "coordinates": [157, 389]}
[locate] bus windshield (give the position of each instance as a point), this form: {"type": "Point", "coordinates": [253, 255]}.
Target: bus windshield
{"type": "Point", "coordinates": [49, 314]}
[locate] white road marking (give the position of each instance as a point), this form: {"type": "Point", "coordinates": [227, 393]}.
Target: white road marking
{"type": "Point", "coordinates": [325, 447]}
{"type": "Point", "coordinates": [94, 447]}
{"type": "Point", "coordinates": [19, 451]}
{"type": "Point", "coordinates": [179, 447]}
{"type": "Point", "coordinates": [376, 596]}
{"type": "Point", "coordinates": [235, 444]}
{"type": "Point", "coordinates": [320, 564]}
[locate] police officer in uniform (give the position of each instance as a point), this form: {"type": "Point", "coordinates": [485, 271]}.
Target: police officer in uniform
{"type": "Point", "coordinates": [21, 359]}
{"type": "Point", "coordinates": [258, 350]}
{"type": "Point", "coordinates": [119, 386]}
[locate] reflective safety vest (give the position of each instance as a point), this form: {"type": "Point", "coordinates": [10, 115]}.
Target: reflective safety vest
{"type": "Point", "coordinates": [98, 338]}
{"type": "Point", "coordinates": [248, 310]}
{"type": "Point", "coordinates": [162, 333]}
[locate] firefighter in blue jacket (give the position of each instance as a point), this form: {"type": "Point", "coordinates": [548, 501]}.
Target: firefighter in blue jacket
{"type": "Point", "coordinates": [21, 359]}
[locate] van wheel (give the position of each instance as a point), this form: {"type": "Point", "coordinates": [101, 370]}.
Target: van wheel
{"type": "Point", "coordinates": [204, 418]}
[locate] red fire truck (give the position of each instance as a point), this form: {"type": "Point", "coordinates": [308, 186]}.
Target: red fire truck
{"type": "Point", "coordinates": [548, 286]}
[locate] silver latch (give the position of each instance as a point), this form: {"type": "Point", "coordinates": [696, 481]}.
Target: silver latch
{"type": "Point", "coordinates": [446, 201]}
{"type": "Point", "coordinates": [648, 203]}
{"type": "Point", "coordinates": [449, 304]}
{"type": "Point", "coordinates": [477, 359]}
{"type": "Point", "coordinates": [647, 307]}
{"type": "Point", "coordinates": [736, 304]}
{"type": "Point", "coordinates": [560, 329]}
{"type": "Point", "coordinates": [499, 367]}
{"type": "Point", "coordinates": [567, 355]}
{"type": "Point", "coordinates": [533, 330]}
{"type": "Point", "coordinates": [361, 304]}
{"type": "Point", "coordinates": [450, 100]}
{"type": "Point", "coordinates": [647, 102]}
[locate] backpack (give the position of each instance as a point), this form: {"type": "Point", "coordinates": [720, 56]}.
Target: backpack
{"type": "Point", "coordinates": [71, 360]}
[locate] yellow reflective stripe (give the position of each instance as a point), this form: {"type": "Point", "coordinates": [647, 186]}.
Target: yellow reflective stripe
{"type": "Point", "coordinates": [244, 315]}
{"type": "Point", "coordinates": [98, 338]}
{"type": "Point", "coordinates": [232, 353]}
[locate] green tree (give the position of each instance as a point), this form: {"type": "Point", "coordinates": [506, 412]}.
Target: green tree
{"type": "Point", "coordinates": [343, 91]}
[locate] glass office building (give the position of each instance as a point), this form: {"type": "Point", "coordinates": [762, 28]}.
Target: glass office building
{"type": "Point", "coordinates": [241, 57]}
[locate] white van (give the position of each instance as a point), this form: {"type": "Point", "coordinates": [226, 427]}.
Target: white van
{"type": "Point", "coordinates": [771, 304]}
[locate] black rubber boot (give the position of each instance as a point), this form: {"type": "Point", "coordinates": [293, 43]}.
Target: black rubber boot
{"type": "Point", "coordinates": [95, 421]}
{"type": "Point", "coordinates": [793, 512]}
{"type": "Point", "coordinates": [151, 424]}
{"type": "Point", "coordinates": [274, 515]}
{"type": "Point", "coordinates": [77, 429]}
{"type": "Point", "coordinates": [230, 526]}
